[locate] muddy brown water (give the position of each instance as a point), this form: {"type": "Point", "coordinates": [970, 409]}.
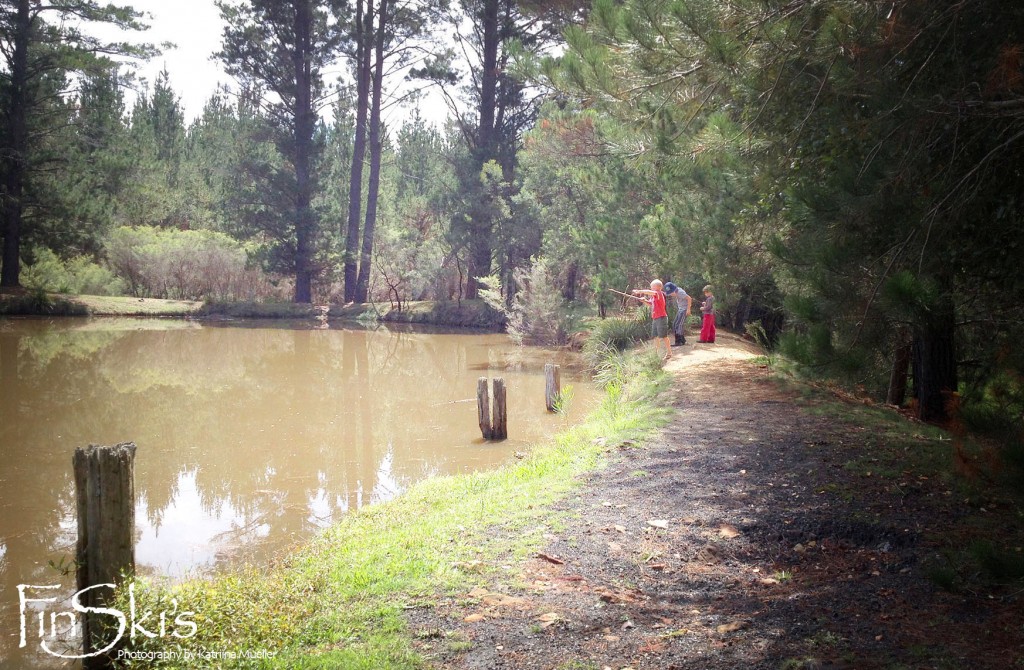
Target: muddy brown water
{"type": "Point", "coordinates": [250, 437]}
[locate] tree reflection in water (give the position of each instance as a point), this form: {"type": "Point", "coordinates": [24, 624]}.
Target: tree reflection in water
{"type": "Point", "coordinates": [249, 438]}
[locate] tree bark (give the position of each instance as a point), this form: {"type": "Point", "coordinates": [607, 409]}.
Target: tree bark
{"type": "Point", "coordinates": [481, 225]}
{"type": "Point", "coordinates": [552, 386]}
{"type": "Point", "coordinates": [105, 485]}
{"type": "Point", "coordinates": [935, 367]}
{"type": "Point", "coordinates": [483, 408]}
{"type": "Point", "coordinates": [571, 278]}
{"type": "Point", "coordinates": [12, 162]}
{"type": "Point", "coordinates": [305, 124]}
{"type": "Point", "coordinates": [898, 377]}
{"type": "Point", "coordinates": [499, 412]}
{"type": "Point", "coordinates": [373, 187]}
{"type": "Point", "coordinates": [364, 30]}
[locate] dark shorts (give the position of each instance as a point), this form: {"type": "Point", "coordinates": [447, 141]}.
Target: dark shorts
{"type": "Point", "coordinates": [659, 327]}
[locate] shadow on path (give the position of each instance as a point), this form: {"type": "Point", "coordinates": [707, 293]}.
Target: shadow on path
{"type": "Point", "coordinates": [752, 533]}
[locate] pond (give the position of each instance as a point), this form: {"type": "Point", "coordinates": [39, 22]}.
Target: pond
{"type": "Point", "coordinates": [250, 437]}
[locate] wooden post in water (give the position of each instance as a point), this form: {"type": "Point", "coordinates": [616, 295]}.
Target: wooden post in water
{"type": "Point", "coordinates": [552, 385]}
{"type": "Point", "coordinates": [105, 483]}
{"type": "Point", "coordinates": [483, 407]}
{"type": "Point", "coordinates": [499, 423]}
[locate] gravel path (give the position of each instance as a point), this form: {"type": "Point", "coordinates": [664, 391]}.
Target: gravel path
{"type": "Point", "coordinates": [751, 533]}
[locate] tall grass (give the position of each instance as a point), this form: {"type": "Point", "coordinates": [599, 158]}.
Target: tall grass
{"type": "Point", "coordinates": [340, 602]}
{"type": "Point", "coordinates": [615, 334]}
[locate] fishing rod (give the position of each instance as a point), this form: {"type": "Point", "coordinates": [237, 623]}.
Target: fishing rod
{"type": "Point", "coordinates": [634, 297]}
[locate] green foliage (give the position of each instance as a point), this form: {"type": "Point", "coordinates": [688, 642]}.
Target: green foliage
{"type": "Point", "coordinates": [264, 43]}
{"type": "Point", "coordinates": [563, 401]}
{"type": "Point", "coordinates": [46, 274]}
{"type": "Point", "coordinates": [492, 293]}
{"type": "Point", "coordinates": [614, 370]}
{"type": "Point", "coordinates": [824, 134]}
{"type": "Point", "coordinates": [489, 229]}
{"type": "Point", "coordinates": [39, 303]}
{"type": "Point", "coordinates": [942, 575]}
{"type": "Point", "coordinates": [182, 264]}
{"type": "Point", "coordinates": [616, 334]}
{"type": "Point", "coordinates": [158, 192]}
{"type": "Point", "coordinates": [48, 50]}
{"type": "Point", "coordinates": [538, 314]}
{"type": "Point", "coordinates": [589, 203]}
{"type": "Point", "coordinates": [757, 333]}
{"type": "Point", "coordinates": [412, 255]}
{"type": "Point", "coordinates": [80, 275]}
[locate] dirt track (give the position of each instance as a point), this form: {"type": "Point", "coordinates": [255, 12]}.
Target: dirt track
{"type": "Point", "coordinates": [742, 537]}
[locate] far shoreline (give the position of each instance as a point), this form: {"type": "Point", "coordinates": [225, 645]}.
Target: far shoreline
{"type": "Point", "coordinates": [470, 314]}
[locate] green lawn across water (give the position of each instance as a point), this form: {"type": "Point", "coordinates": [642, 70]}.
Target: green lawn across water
{"type": "Point", "coordinates": [461, 314]}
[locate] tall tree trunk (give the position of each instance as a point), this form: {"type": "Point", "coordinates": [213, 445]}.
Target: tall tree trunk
{"type": "Point", "coordinates": [364, 31]}
{"type": "Point", "coordinates": [305, 123]}
{"type": "Point", "coordinates": [898, 377]}
{"type": "Point", "coordinates": [12, 163]}
{"type": "Point", "coordinates": [481, 226]}
{"type": "Point", "coordinates": [373, 187]}
{"type": "Point", "coordinates": [571, 277]}
{"type": "Point", "coordinates": [935, 365]}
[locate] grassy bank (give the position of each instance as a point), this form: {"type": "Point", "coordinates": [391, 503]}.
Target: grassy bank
{"type": "Point", "coordinates": [36, 303]}
{"type": "Point", "coordinates": [464, 314]}
{"type": "Point", "coordinates": [339, 602]}
{"type": "Point", "coordinates": [27, 303]}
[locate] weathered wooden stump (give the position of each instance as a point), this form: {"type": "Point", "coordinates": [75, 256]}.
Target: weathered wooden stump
{"type": "Point", "coordinates": [493, 425]}
{"type": "Point", "coordinates": [105, 484]}
{"type": "Point", "coordinates": [483, 407]}
{"type": "Point", "coordinates": [552, 385]}
{"type": "Point", "coordinates": [499, 421]}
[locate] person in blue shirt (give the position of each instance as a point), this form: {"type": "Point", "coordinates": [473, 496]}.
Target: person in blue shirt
{"type": "Point", "coordinates": [683, 304]}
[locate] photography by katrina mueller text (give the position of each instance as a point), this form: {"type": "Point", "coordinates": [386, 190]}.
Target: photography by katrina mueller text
{"type": "Point", "coordinates": [194, 655]}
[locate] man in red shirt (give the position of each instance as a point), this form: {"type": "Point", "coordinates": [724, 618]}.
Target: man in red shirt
{"type": "Point", "coordinates": [659, 315]}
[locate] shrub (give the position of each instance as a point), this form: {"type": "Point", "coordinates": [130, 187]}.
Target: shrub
{"type": "Point", "coordinates": [91, 278]}
{"type": "Point", "coordinates": [38, 302]}
{"type": "Point", "coordinates": [537, 314]}
{"type": "Point", "coordinates": [79, 275]}
{"type": "Point", "coordinates": [620, 333]}
{"type": "Point", "coordinates": [46, 273]}
{"type": "Point", "coordinates": [183, 264]}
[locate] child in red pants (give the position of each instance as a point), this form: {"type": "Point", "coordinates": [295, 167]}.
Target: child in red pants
{"type": "Point", "coordinates": [707, 308]}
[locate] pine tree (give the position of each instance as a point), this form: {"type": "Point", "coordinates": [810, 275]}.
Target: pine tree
{"type": "Point", "coordinates": [876, 135]}
{"type": "Point", "coordinates": [42, 43]}
{"type": "Point", "coordinates": [500, 110]}
{"type": "Point", "coordinates": [282, 49]}
{"type": "Point", "coordinates": [386, 41]}
{"type": "Point", "coordinates": [96, 171]}
{"type": "Point", "coordinates": [216, 146]}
